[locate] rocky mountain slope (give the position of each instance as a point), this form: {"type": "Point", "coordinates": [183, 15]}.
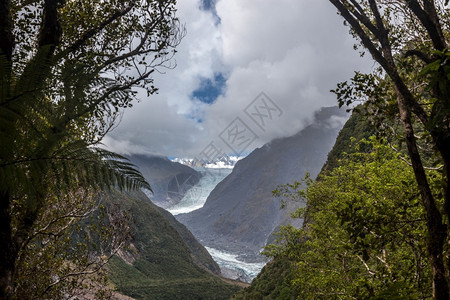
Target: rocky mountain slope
{"type": "Point", "coordinates": [169, 180]}
{"type": "Point", "coordinates": [275, 279]}
{"type": "Point", "coordinates": [164, 260]}
{"type": "Point", "coordinates": [240, 214]}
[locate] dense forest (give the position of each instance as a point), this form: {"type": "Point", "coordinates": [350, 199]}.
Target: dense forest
{"type": "Point", "coordinates": [67, 68]}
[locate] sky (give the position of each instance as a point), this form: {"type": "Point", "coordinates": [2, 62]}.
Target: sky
{"type": "Point", "coordinates": [247, 71]}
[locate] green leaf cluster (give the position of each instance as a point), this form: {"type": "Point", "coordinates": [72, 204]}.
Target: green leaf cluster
{"type": "Point", "coordinates": [162, 267]}
{"type": "Point", "coordinates": [67, 70]}
{"type": "Point", "coordinates": [367, 235]}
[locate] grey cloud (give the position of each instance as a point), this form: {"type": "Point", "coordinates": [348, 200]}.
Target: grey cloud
{"type": "Point", "coordinates": [294, 51]}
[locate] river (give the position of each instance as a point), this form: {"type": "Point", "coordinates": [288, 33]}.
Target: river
{"type": "Point", "coordinates": [194, 199]}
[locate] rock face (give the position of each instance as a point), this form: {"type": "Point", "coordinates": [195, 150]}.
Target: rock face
{"type": "Point", "coordinates": [169, 180]}
{"type": "Point", "coordinates": [240, 214]}
{"type": "Point", "coordinates": [276, 276]}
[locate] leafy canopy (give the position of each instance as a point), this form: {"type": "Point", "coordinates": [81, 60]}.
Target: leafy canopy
{"type": "Point", "coordinates": [67, 71]}
{"type": "Point", "coordinates": [367, 235]}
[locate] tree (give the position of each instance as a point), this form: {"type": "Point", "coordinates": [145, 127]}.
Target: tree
{"type": "Point", "coordinates": [67, 69]}
{"type": "Point", "coordinates": [404, 36]}
{"type": "Point", "coordinates": [367, 234]}
{"type": "Point", "coordinates": [68, 250]}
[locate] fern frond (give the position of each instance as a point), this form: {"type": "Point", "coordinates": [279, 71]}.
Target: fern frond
{"type": "Point", "coordinates": [35, 148]}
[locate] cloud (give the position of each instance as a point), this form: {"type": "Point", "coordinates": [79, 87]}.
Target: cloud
{"type": "Point", "coordinates": [155, 127]}
{"type": "Point", "coordinates": [293, 51]}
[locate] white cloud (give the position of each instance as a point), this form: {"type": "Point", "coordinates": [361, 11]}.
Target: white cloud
{"type": "Point", "coordinates": [293, 50]}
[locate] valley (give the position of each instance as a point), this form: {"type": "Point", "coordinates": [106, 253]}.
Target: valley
{"type": "Point", "coordinates": [224, 149]}
{"type": "Point", "coordinates": [240, 214]}
{"type": "Point", "coordinates": [231, 211]}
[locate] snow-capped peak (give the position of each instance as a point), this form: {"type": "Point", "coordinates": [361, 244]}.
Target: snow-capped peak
{"type": "Point", "coordinates": [226, 162]}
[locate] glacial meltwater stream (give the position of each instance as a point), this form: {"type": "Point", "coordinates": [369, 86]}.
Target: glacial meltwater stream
{"type": "Point", "coordinates": [242, 270]}
{"type": "Point", "coordinates": [194, 199]}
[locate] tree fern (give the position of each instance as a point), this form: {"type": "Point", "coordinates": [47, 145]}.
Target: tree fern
{"type": "Point", "coordinates": [46, 151]}
{"type": "Point", "coordinates": [66, 69]}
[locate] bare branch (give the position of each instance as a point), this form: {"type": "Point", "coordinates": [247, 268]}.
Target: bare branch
{"type": "Point", "coordinates": [428, 18]}
{"type": "Point", "coordinates": [365, 39]}
{"type": "Point", "coordinates": [365, 265]}
{"type": "Point", "coordinates": [359, 13]}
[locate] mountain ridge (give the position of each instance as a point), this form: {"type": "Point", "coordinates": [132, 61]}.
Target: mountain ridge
{"type": "Point", "coordinates": [169, 180]}
{"type": "Point", "coordinates": [240, 214]}
{"type": "Point", "coordinates": [275, 279]}
{"type": "Point", "coordinates": [164, 260]}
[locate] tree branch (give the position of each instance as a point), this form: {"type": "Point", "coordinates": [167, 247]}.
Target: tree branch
{"type": "Point", "coordinates": [386, 63]}
{"type": "Point", "coordinates": [137, 50]}
{"type": "Point", "coordinates": [354, 23]}
{"type": "Point", "coordinates": [422, 56]}
{"type": "Point", "coordinates": [382, 34]}
{"type": "Point", "coordinates": [51, 31]}
{"type": "Point", "coordinates": [429, 20]}
{"type": "Point", "coordinates": [359, 13]}
{"type": "Point", "coordinates": [91, 33]}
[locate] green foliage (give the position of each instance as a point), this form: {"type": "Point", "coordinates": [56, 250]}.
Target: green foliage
{"type": "Point", "coordinates": [437, 74]}
{"type": "Point", "coordinates": [45, 172]}
{"type": "Point", "coordinates": [367, 235]}
{"type": "Point", "coordinates": [68, 246]}
{"type": "Point", "coordinates": [67, 70]}
{"type": "Point", "coordinates": [162, 266]}
{"type": "Point", "coordinates": [414, 65]}
{"type": "Point", "coordinates": [355, 129]}
{"type": "Point", "coordinates": [274, 282]}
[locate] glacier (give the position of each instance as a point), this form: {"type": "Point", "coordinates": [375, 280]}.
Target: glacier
{"type": "Point", "coordinates": [194, 199]}
{"type": "Point", "coordinates": [196, 196]}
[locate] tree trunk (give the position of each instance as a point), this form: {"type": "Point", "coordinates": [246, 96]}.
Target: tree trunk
{"type": "Point", "coordinates": [7, 249]}
{"type": "Point", "coordinates": [441, 141]}
{"type": "Point", "coordinates": [446, 158]}
{"type": "Point", "coordinates": [437, 231]}
{"type": "Point", "coordinates": [6, 36]}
